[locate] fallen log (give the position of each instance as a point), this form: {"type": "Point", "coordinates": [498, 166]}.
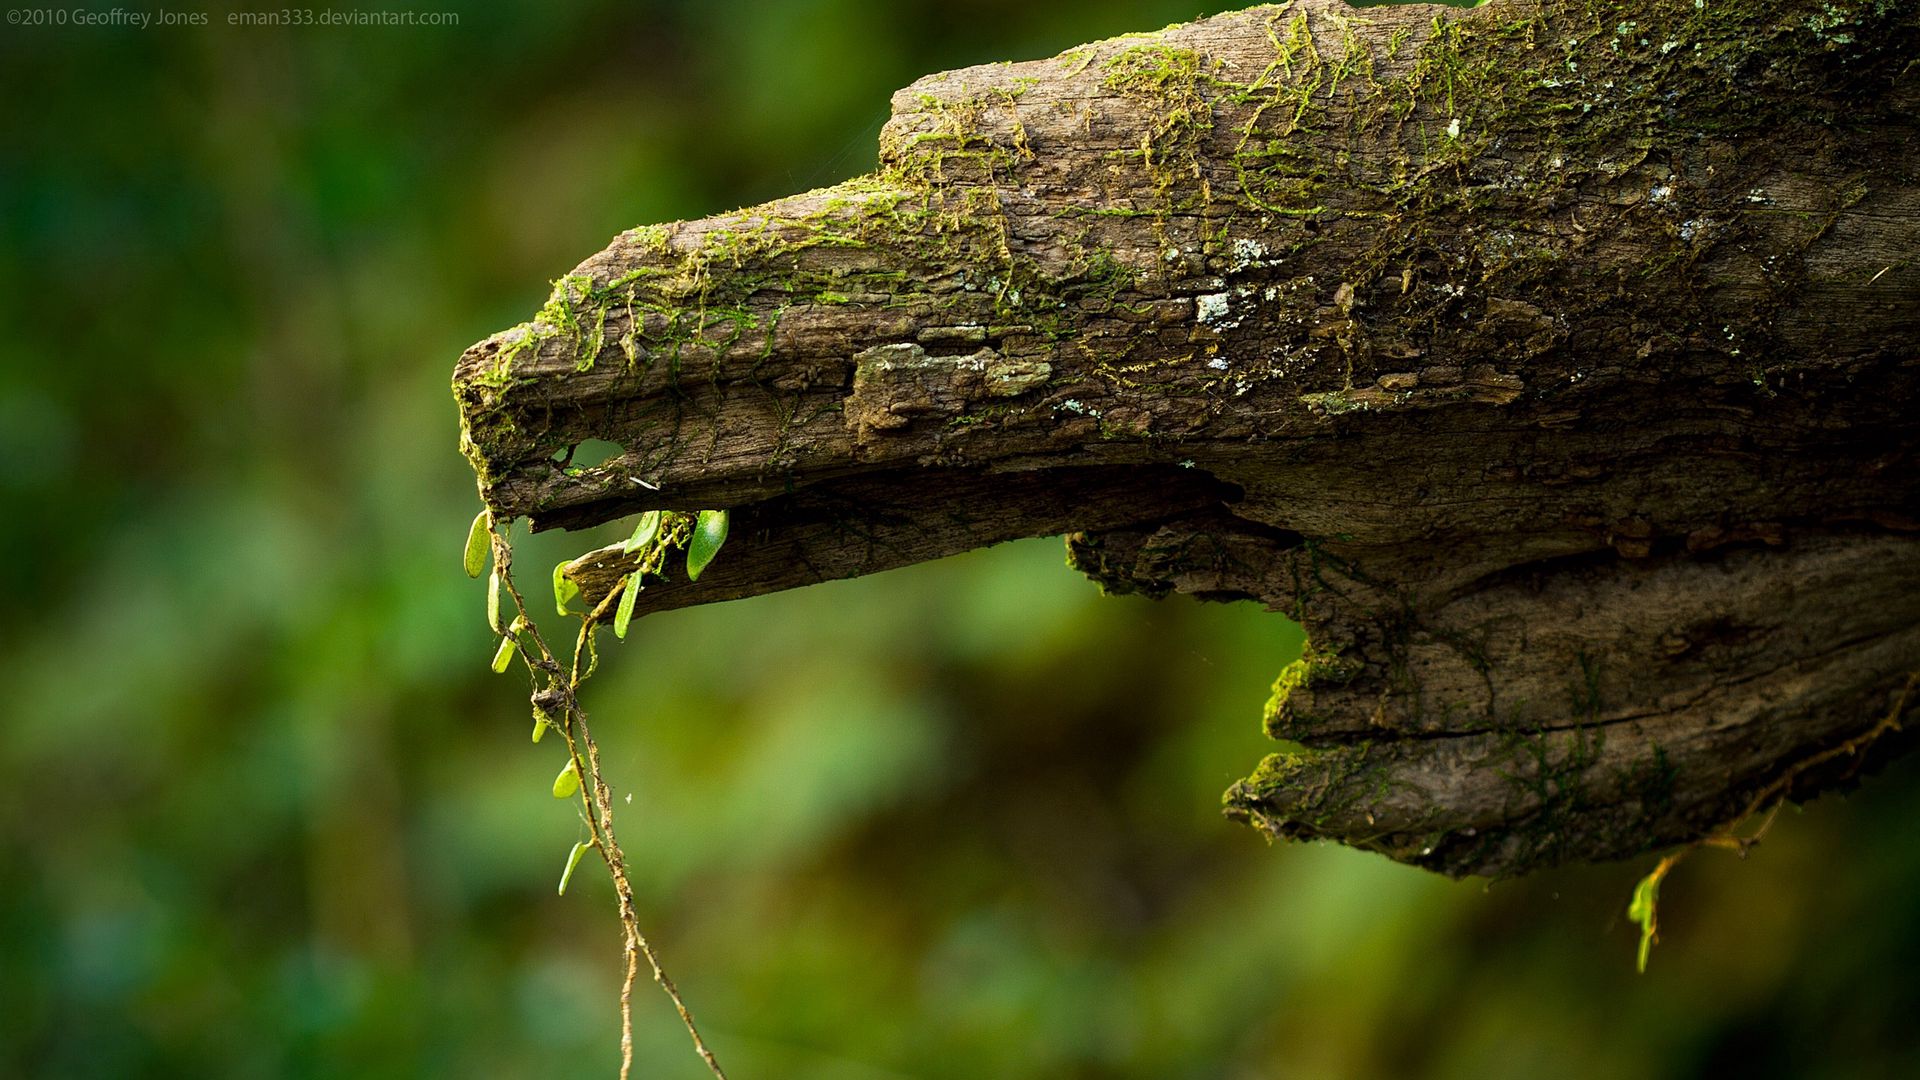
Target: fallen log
{"type": "Point", "coordinates": [1554, 364]}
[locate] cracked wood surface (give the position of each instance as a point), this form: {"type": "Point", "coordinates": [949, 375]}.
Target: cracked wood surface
{"type": "Point", "coordinates": [1554, 364]}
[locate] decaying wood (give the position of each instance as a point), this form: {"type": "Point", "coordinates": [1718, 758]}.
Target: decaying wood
{"type": "Point", "coordinates": [1554, 363]}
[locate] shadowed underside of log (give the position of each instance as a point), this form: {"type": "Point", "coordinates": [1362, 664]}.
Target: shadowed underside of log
{"type": "Point", "coordinates": [1554, 364]}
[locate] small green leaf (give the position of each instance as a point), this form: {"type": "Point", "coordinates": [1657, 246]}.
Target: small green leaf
{"type": "Point", "coordinates": [1643, 909]}
{"type": "Point", "coordinates": [1642, 904]}
{"type": "Point", "coordinates": [567, 782]}
{"type": "Point", "coordinates": [624, 613]}
{"type": "Point", "coordinates": [709, 532]}
{"type": "Point", "coordinates": [479, 543]}
{"type": "Point", "coordinates": [540, 723]}
{"type": "Point", "coordinates": [644, 532]}
{"type": "Point", "coordinates": [563, 589]}
{"type": "Point", "coordinates": [573, 860]}
{"type": "Point", "coordinates": [503, 656]}
{"type": "Point", "coordinates": [493, 601]}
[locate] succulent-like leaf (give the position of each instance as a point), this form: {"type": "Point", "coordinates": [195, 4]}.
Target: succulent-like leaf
{"type": "Point", "coordinates": [644, 532]}
{"type": "Point", "coordinates": [567, 782]}
{"type": "Point", "coordinates": [709, 532]}
{"type": "Point", "coordinates": [573, 860]}
{"type": "Point", "coordinates": [623, 614]}
{"type": "Point", "coordinates": [479, 544]}
{"type": "Point", "coordinates": [563, 589]}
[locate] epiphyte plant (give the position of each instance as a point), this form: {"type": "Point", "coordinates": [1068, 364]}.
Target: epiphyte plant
{"type": "Point", "coordinates": [555, 699]}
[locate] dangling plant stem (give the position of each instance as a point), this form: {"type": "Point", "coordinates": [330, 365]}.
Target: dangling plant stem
{"type": "Point", "coordinates": [559, 701]}
{"type": "Point", "coordinates": [1644, 909]}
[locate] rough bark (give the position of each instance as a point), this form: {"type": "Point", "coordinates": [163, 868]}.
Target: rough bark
{"type": "Point", "coordinates": [1553, 363]}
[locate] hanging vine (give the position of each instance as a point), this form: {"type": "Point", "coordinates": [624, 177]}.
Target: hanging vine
{"type": "Point", "coordinates": [555, 697]}
{"type": "Point", "coordinates": [1644, 909]}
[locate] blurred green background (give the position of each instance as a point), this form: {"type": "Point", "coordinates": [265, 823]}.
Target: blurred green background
{"type": "Point", "coordinates": [266, 813]}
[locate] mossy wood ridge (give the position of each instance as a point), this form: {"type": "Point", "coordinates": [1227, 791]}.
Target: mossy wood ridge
{"type": "Point", "coordinates": [1555, 363]}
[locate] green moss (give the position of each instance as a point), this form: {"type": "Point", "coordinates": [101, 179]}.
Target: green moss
{"type": "Point", "coordinates": [955, 149]}
{"type": "Point", "coordinates": [1584, 695]}
{"type": "Point", "coordinates": [1552, 772]}
{"type": "Point", "coordinates": [1319, 789]}
{"type": "Point", "coordinates": [1318, 667]}
{"type": "Point", "coordinates": [1171, 83]}
{"type": "Point", "coordinates": [1651, 783]}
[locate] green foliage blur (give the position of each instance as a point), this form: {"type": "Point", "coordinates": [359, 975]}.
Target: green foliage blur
{"type": "Point", "coordinates": [266, 813]}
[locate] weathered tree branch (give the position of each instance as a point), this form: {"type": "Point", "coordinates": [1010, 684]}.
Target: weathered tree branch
{"type": "Point", "coordinates": [1554, 363]}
